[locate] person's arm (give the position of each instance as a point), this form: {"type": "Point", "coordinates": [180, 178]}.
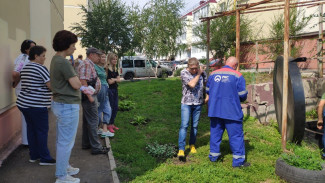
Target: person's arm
{"type": "Point", "coordinates": [206, 100]}
{"type": "Point", "coordinates": [48, 84]}
{"type": "Point", "coordinates": [111, 80]}
{"type": "Point", "coordinates": [75, 82]}
{"type": "Point", "coordinates": [241, 88]}
{"type": "Point", "coordinates": [15, 78]}
{"type": "Point", "coordinates": [320, 114]}
{"type": "Point", "coordinates": [194, 81]}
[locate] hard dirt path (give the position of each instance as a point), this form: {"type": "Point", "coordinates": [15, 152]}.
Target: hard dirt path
{"type": "Point", "coordinates": [93, 168]}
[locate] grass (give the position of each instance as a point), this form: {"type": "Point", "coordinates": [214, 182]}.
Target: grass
{"type": "Point", "coordinates": [257, 77]}
{"type": "Point", "coordinates": [159, 101]}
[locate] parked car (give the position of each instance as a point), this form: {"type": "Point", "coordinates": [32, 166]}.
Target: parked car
{"type": "Point", "coordinates": [139, 66]}
{"type": "Point", "coordinates": [174, 64]}
{"type": "Point", "coordinates": [182, 65]}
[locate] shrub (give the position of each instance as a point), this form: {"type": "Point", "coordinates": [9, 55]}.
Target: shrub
{"type": "Point", "coordinates": [126, 105]}
{"type": "Point", "coordinates": [162, 151]}
{"type": "Point", "coordinates": [177, 72]}
{"type": "Point", "coordinates": [123, 97]}
{"type": "Point", "coordinates": [303, 157]}
{"type": "Point", "coordinates": [311, 114]}
{"type": "Point", "coordinates": [139, 120]}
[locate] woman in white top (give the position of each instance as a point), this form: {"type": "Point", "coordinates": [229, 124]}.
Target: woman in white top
{"type": "Point", "coordinates": [20, 62]}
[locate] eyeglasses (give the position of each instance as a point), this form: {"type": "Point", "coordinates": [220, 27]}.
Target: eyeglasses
{"type": "Point", "coordinates": [192, 69]}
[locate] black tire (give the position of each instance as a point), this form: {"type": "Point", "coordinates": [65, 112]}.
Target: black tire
{"type": "Point", "coordinates": [129, 76]}
{"type": "Point", "coordinates": [164, 74]}
{"type": "Point", "coordinates": [296, 118]}
{"type": "Point", "coordinates": [298, 175]}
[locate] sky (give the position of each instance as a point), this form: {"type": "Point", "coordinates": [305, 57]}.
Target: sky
{"type": "Point", "coordinates": [188, 3]}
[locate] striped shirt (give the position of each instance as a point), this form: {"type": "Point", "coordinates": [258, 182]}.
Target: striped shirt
{"type": "Point", "coordinates": [34, 92]}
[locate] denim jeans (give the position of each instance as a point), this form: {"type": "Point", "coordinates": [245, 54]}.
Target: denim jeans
{"type": "Point", "coordinates": [113, 100]}
{"type": "Point", "coordinates": [187, 112]}
{"type": "Point", "coordinates": [37, 120]}
{"type": "Point", "coordinates": [66, 129]}
{"type": "Point", "coordinates": [104, 108]}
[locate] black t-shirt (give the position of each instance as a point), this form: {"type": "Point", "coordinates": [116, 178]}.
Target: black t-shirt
{"type": "Point", "coordinates": [110, 75]}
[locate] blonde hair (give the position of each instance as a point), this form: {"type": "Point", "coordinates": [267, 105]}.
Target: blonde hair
{"type": "Point", "coordinates": [109, 65]}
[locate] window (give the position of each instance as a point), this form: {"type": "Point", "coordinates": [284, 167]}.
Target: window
{"type": "Point", "coordinates": [153, 63]}
{"type": "Point", "coordinates": [127, 64]}
{"type": "Point", "coordinates": [139, 63]}
{"type": "Point", "coordinates": [223, 6]}
{"type": "Point", "coordinates": [204, 11]}
{"type": "Point", "coordinates": [196, 15]}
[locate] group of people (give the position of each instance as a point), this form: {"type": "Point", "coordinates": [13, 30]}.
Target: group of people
{"type": "Point", "coordinates": [93, 84]}
{"type": "Point", "coordinates": [225, 89]}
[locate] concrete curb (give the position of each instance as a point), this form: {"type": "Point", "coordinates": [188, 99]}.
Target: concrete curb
{"type": "Point", "coordinates": [112, 161]}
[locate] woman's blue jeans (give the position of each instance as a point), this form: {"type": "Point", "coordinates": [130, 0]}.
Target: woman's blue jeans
{"type": "Point", "coordinates": [104, 108]}
{"type": "Point", "coordinates": [187, 112]}
{"type": "Point", "coordinates": [66, 129]}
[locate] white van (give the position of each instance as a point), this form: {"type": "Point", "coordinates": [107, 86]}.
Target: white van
{"type": "Point", "coordinates": [139, 66]}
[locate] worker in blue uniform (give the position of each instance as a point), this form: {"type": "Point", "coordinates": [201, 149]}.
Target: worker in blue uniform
{"type": "Point", "coordinates": [225, 90]}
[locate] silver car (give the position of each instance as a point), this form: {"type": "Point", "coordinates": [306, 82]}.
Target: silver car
{"type": "Point", "coordinates": [139, 66]}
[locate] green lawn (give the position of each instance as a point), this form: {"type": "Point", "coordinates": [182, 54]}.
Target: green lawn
{"type": "Point", "coordinates": [159, 101]}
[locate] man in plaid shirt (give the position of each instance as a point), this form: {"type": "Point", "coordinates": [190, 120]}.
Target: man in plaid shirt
{"type": "Point", "coordinates": [88, 76]}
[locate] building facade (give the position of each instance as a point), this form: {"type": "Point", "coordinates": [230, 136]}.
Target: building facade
{"type": "Point", "coordinates": [20, 20]}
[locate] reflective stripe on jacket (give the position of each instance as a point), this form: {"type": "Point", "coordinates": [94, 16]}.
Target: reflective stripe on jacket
{"type": "Point", "coordinates": [226, 89]}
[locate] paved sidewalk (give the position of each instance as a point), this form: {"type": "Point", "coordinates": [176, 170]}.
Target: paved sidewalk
{"type": "Point", "coordinates": [93, 168]}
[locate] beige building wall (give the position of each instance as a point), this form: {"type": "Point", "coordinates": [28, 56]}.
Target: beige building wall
{"type": "Point", "coordinates": [14, 28]}
{"type": "Point", "coordinates": [73, 14]}
{"type": "Point", "coordinates": [37, 20]}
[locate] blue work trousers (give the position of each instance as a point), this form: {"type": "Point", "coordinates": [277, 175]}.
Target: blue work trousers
{"type": "Point", "coordinates": [236, 139]}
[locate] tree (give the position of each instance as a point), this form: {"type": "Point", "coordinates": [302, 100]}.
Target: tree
{"type": "Point", "coordinates": [106, 27]}
{"type": "Point", "coordinates": [297, 23]}
{"type": "Point", "coordinates": [223, 34]}
{"type": "Point", "coordinates": [161, 26]}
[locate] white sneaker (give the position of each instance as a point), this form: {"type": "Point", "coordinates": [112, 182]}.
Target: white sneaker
{"type": "Point", "coordinates": [107, 134]}
{"type": "Point", "coordinates": [67, 179]}
{"type": "Point", "coordinates": [99, 131]}
{"type": "Point", "coordinates": [72, 171]}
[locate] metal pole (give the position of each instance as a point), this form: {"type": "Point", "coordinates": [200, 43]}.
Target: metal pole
{"type": "Point", "coordinates": [238, 38]}
{"type": "Point", "coordinates": [208, 47]}
{"type": "Point", "coordinates": [285, 74]}
{"type": "Point", "coordinates": [256, 55]}
{"type": "Point", "coordinates": [320, 43]}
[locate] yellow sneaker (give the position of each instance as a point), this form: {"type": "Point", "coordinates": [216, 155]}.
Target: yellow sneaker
{"type": "Point", "coordinates": [180, 153]}
{"type": "Point", "coordinates": [193, 150]}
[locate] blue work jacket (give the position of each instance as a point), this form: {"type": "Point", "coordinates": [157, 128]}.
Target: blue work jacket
{"type": "Point", "coordinates": [226, 89]}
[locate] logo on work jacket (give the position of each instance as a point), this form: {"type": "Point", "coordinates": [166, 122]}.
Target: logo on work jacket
{"type": "Point", "coordinates": [217, 78]}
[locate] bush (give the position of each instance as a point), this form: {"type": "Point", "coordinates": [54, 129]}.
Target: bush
{"type": "Point", "coordinates": [303, 157]}
{"type": "Point", "coordinates": [311, 114]}
{"type": "Point", "coordinates": [126, 105]}
{"type": "Point", "coordinates": [162, 151]}
{"type": "Point", "coordinates": [178, 72]}
{"type": "Point", "coordinates": [123, 97]}
{"type": "Point", "coordinates": [139, 120]}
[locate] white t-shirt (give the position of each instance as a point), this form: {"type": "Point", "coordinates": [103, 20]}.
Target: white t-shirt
{"type": "Point", "coordinates": [20, 63]}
